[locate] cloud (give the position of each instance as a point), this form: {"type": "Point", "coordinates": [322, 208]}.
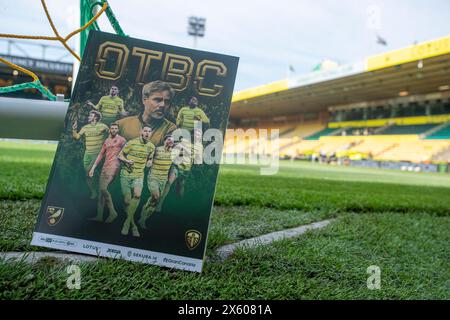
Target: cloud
{"type": "Point", "coordinates": [268, 36]}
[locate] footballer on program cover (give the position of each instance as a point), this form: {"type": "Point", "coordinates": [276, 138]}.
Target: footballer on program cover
{"type": "Point", "coordinates": [135, 171]}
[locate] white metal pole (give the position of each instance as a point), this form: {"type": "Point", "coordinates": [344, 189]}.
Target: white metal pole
{"type": "Point", "coordinates": [31, 119]}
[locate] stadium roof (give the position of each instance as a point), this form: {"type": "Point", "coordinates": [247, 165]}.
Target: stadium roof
{"type": "Point", "coordinates": [418, 69]}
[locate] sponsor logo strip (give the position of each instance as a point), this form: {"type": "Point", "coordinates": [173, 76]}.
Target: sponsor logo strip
{"type": "Point", "coordinates": [114, 251]}
{"type": "Point", "coordinates": [327, 75]}
{"type": "Point", "coordinates": [420, 51]}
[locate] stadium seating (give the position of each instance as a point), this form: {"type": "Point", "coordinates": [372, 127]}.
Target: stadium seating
{"type": "Point", "coordinates": [324, 132]}
{"type": "Point", "coordinates": [372, 147]}
{"type": "Point", "coordinates": [414, 129]}
{"type": "Point", "coordinates": [410, 109]}
{"type": "Point", "coordinates": [365, 131]}
{"type": "Point", "coordinates": [404, 141]}
{"type": "Point", "coordinates": [387, 148]}
{"type": "Point", "coordinates": [328, 145]}
{"type": "Point", "coordinates": [417, 151]}
{"type": "Point", "coordinates": [305, 130]}
{"type": "Point", "coordinates": [444, 133]}
{"type": "Point", "coordinates": [304, 147]}
{"type": "Point", "coordinates": [288, 135]}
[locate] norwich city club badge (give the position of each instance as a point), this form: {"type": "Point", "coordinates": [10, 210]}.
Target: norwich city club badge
{"type": "Point", "coordinates": [193, 238]}
{"type": "Point", "coordinates": [54, 215]}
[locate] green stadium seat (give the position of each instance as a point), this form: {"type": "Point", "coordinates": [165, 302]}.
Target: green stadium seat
{"type": "Point", "coordinates": [321, 133]}
{"type": "Point", "coordinates": [414, 129]}
{"type": "Point", "coordinates": [444, 133]}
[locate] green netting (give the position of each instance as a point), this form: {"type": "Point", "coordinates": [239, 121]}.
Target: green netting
{"type": "Point", "coordinates": [86, 7]}
{"type": "Point", "coordinates": [86, 14]}
{"type": "Point", "coordinates": [111, 17]}
{"type": "Point", "coordinates": [30, 85]}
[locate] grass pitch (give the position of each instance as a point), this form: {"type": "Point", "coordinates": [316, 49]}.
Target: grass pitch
{"type": "Point", "coordinates": [396, 220]}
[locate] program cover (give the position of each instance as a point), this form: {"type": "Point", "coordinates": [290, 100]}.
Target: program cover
{"type": "Point", "coordinates": [136, 167]}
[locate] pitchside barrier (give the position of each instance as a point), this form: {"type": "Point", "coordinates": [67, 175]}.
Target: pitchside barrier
{"type": "Point", "coordinates": [403, 166]}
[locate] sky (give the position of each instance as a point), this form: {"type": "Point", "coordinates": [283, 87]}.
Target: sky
{"type": "Point", "coordinates": [268, 36]}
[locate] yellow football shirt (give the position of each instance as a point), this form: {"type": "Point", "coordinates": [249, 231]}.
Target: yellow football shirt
{"type": "Point", "coordinates": [187, 116]}
{"type": "Point", "coordinates": [161, 163]}
{"type": "Point", "coordinates": [94, 136]}
{"type": "Point", "coordinates": [110, 107]}
{"type": "Point", "coordinates": [139, 152]}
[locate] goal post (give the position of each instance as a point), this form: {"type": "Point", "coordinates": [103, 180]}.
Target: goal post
{"type": "Point", "coordinates": [44, 119]}
{"type": "Point", "coordinates": [31, 119]}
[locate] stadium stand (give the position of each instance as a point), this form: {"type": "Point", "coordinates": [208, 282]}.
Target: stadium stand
{"type": "Point", "coordinates": [384, 108]}
{"type": "Point", "coordinates": [388, 143]}
{"type": "Point", "coordinates": [396, 143]}
{"type": "Point", "coordinates": [417, 151]}
{"type": "Point", "coordinates": [372, 147]}
{"type": "Point", "coordinates": [415, 129]}
{"type": "Point", "coordinates": [304, 130]}
{"type": "Point", "coordinates": [321, 133]}
{"type": "Point", "coordinates": [443, 133]}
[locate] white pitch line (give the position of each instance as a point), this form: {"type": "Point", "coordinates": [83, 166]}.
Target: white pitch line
{"type": "Point", "coordinates": [225, 251]}
{"type": "Point", "coordinates": [34, 257]}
